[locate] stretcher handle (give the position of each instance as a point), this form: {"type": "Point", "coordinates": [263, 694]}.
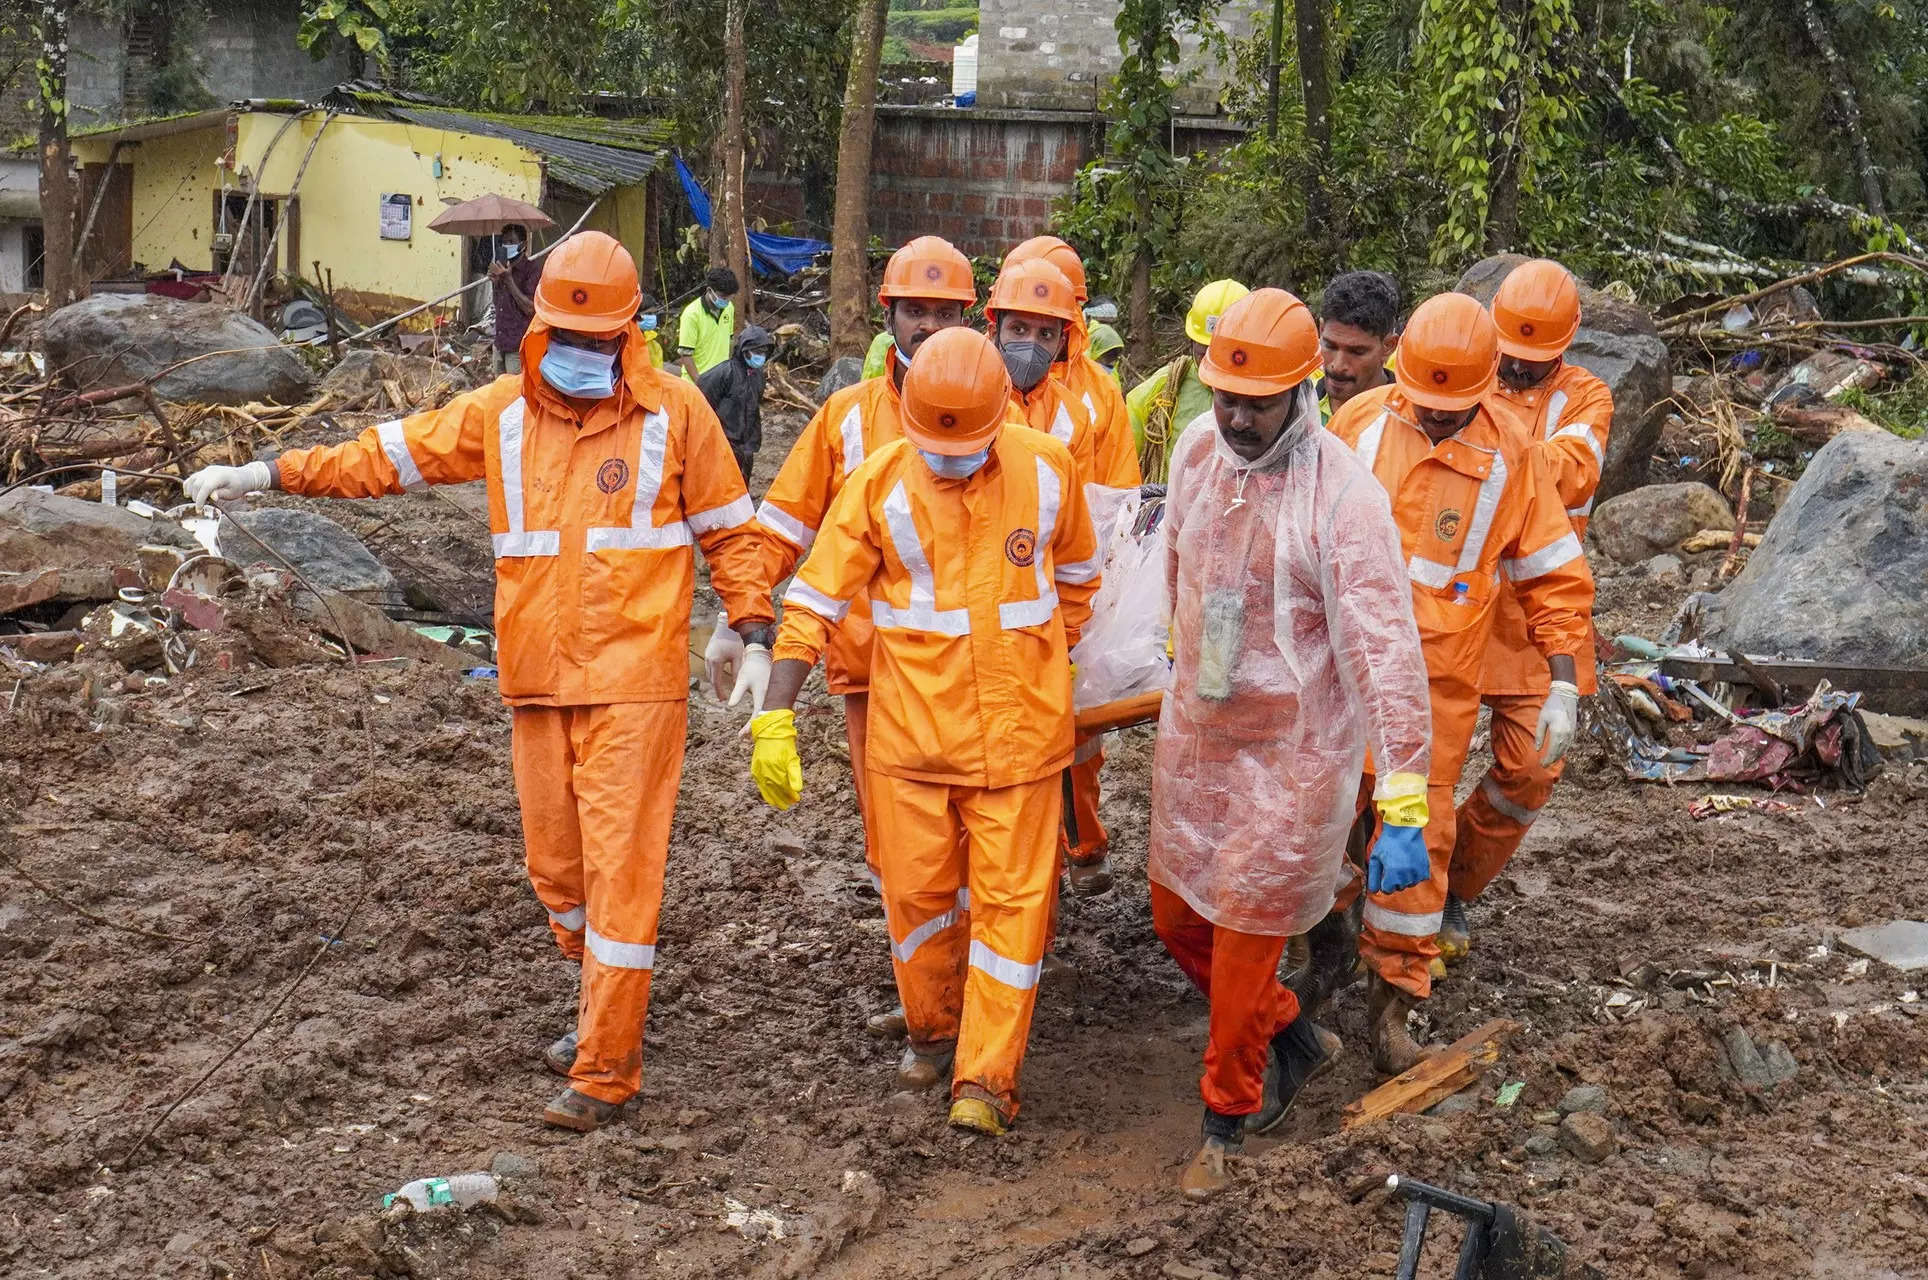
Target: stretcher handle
{"type": "Point", "coordinates": [1121, 713]}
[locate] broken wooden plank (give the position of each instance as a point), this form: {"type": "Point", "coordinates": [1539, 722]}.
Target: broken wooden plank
{"type": "Point", "coordinates": [1439, 1077]}
{"type": "Point", "coordinates": [1798, 672]}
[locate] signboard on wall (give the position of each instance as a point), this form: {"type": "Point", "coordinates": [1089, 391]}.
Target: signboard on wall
{"type": "Point", "coordinates": [398, 216]}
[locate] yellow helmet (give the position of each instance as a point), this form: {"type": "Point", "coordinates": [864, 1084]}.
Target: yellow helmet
{"type": "Point", "coordinates": [1208, 305]}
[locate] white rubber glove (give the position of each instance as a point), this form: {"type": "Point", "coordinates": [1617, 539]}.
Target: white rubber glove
{"type": "Point", "coordinates": [753, 677]}
{"type": "Point", "coordinates": [1559, 718]}
{"type": "Point", "coordinates": [225, 484]}
{"type": "Point", "coordinates": [723, 659]}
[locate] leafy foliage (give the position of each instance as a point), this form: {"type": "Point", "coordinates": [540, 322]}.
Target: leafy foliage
{"type": "Point", "coordinates": [361, 25]}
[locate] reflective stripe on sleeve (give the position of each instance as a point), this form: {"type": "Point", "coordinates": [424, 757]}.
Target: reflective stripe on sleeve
{"type": "Point", "coordinates": [852, 430]}
{"type": "Point", "coordinates": [619, 955]}
{"type": "Point", "coordinates": [1506, 808]}
{"type": "Point", "coordinates": [785, 525]}
{"type": "Point", "coordinates": [802, 593]}
{"type": "Point", "coordinates": [1080, 570]}
{"type": "Point", "coordinates": [1563, 550]}
{"type": "Point", "coordinates": [517, 541]}
{"type": "Point", "coordinates": [395, 445]}
{"type": "Point", "coordinates": [1405, 923]}
{"type": "Point", "coordinates": [922, 614]}
{"type": "Point", "coordinates": [1585, 508]}
{"type": "Point", "coordinates": [1581, 431]}
{"type": "Point", "coordinates": [1037, 612]}
{"type": "Point", "coordinates": [728, 516]}
{"type": "Point", "coordinates": [1006, 970]}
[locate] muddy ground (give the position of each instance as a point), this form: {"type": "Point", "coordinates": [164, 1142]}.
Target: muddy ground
{"type": "Point", "coordinates": [239, 814]}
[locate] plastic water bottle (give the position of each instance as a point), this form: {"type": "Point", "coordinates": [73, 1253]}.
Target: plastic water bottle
{"type": "Point", "coordinates": [1459, 593]}
{"type": "Point", "coordinates": [462, 1190]}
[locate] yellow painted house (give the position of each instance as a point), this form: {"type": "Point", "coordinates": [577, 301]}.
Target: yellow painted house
{"type": "Point", "coordinates": [346, 187]}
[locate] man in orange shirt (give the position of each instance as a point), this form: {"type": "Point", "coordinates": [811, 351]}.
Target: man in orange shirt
{"type": "Point", "coordinates": [1475, 504]}
{"type": "Point", "coordinates": [1087, 844]}
{"type": "Point", "coordinates": [601, 473]}
{"type": "Point", "coordinates": [927, 287]}
{"type": "Point", "coordinates": [974, 547]}
{"type": "Point", "coordinates": [1568, 412]}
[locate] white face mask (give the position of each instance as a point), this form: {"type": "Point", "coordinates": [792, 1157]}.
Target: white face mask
{"type": "Point", "coordinates": [955, 467]}
{"type": "Point", "coordinates": [511, 251]}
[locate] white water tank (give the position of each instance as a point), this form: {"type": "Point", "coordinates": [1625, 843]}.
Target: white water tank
{"type": "Point", "coordinates": [964, 67]}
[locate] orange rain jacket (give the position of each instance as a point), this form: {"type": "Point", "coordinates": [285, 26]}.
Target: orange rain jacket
{"type": "Point", "coordinates": [1472, 511]}
{"type": "Point", "coordinates": [592, 520]}
{"type": "Point", "coordinates": [977, 589]}
{"type": "Point", "coordinates": [850, 426]}
{"type": "Point", "coordinates": [1114, 453]}
{"type": "Point", "coordinates": [1569, 414]}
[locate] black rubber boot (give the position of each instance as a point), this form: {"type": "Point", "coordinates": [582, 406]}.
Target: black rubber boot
{"type": "Point", "coordinates": [1300, 1053]}
{"type": "Point", "coordinates": [1334, 963]}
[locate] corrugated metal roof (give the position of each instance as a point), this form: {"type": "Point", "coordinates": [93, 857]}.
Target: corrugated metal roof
{"type": "Point", "coordinates": [585, 153]}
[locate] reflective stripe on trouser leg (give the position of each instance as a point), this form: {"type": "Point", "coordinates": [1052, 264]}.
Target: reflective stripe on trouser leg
{"type": "Point", "coordinates": [925, 908]}
{"type": "Point", "coordinates": [1400, 935]}
{"type": "Point", "coordinates": [1496, 817]}
{"type": "Point", "coordinates": [1092, 840]}
{"type": "Point", "coordinates": [1239, 974]}
{"type": "Point", "coordinates": [1013, 861]}
{"type": "Point", "coordinates": [629, 760]}
{"type": "Point", "coordinates": [542, 760]}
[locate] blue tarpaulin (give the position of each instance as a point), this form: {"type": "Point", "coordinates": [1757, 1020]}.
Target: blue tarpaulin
{"type": "Point", "coordinates": [772, 255]}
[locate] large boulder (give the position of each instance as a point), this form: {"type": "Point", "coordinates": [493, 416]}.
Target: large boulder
{"type": "Point", "coordinates": [328, 555]}
{"type": "Point", "coordinates": [845, 371]}
{"type": "Point", "coordinates": [40, 530]}
{"type": "Point", "coordinates": [1618, 344]}
{"type": "Point", "coordinates": [1654, 520]}
{"type": "Point", "coordinates": [1842, 574]}
{"type": "Point", "coordinates": [112, 339]}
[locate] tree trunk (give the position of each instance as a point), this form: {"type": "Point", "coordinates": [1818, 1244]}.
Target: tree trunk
{"type": "Point", "coordinates": [1138, 311]}
{"type": "Point", "coordinates": [1864, 166]}
{"type": "Point", "coordinates": [730, 216]}
{"type": "Point", "coordinates": [1509, 139]}
{"type": "Point", "coordinates": [57, 194]}
{"type": "Point", "coordinates": [1315, 87]}
{"type": "Point", "coordinates": [850, 224]}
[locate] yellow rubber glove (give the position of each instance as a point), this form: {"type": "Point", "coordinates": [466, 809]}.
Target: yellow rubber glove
{"type": "Point", "coordinates": [774, 765]}
{"type": "Point", "coordinates": [1401, 800]}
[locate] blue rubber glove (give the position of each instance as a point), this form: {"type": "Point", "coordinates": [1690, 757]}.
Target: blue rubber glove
{"type": "Point", "coordinates": [1398, 860]}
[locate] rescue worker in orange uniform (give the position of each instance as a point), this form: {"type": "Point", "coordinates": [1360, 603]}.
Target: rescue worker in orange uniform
{"type": "Point", "coordinates": [927, 287]}
{"type": "Point", "coordinates": [602, 472]}
{"type": "Point", "coordinates": [1568, 412]}
{"type": "Point", "coordinates": [1476, 507]}
{"type": "Point", "coordinates": [975, 549]}
{"type": "Point", "coordinates": [1087, 845]}
{"type": "Point", "coordinates": [1295, 647]}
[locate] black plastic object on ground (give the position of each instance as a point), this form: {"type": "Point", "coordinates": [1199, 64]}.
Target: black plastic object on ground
{"type": "Point", "coordinates": [1498, 1244]}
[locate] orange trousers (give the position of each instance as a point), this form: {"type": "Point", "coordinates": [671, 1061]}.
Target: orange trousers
{"type": "Point", "coordinates": [970, 874]}
{"type": "Point", "coordinates": [1496, 816]}
{"type": "Point", "coordinates": [598, 791]}
{"type": "Point", "coordinates": [1085, 837]}
{"type": "Point", "coordinates": [1238, 973]}
{"type": "Point", "coordinates": [856, 719]}
{"type": "Point", "coordinates": [1399, 937]}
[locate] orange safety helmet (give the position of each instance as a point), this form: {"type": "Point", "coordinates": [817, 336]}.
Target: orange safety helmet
{"type": "Point", "coordinates": [1537, 310]}
{"type": "Point", "coordinates": [1449, 354]}
{"type": "Point", "coordinates": [1037, 287]}
{"type": "Point", "coordinates": [1265, 343]}
{"type": "Point", "coordinates": [928, 267]}
{"type": "Point", "coordinates": [955, 393]}
{"type": "Point", "coordinates": [1058, 254]}
{"type": "Point", "coordinates": [588, 285]}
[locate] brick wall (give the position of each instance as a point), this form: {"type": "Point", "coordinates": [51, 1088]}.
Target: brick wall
{"type": "Point", "coordinates": [1057, 55]}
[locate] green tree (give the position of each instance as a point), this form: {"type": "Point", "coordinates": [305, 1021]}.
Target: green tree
{"type": "Point", "coordinates": [358, 26]}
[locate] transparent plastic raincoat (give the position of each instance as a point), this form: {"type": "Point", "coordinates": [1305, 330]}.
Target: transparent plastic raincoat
{"type": "Point", "coordinates": [1295, 647]}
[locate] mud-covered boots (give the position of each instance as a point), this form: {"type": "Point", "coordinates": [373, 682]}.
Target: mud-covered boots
{"type": "Point", "coordinates": [1394, 1050]}
{"type": "Point", "coordinates": [1300, 1054]}
{"type": "Point", "coordinates": [1455, 932]}
{"type": "Point", "coordinates": [1332, 964]}
{"type": "Point", "coordinates": [1207, 1174]}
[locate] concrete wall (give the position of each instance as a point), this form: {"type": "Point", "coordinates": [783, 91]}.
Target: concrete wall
{"type": "Point", "coordinates": [13, 256]}
{"type": "Point", "coordinates": [1058, 55]}
{"type": "Point", "coordinates": [96, 67]}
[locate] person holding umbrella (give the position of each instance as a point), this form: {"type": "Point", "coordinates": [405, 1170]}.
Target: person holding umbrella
{"type": "Point", "coordinates": [514, 275]}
